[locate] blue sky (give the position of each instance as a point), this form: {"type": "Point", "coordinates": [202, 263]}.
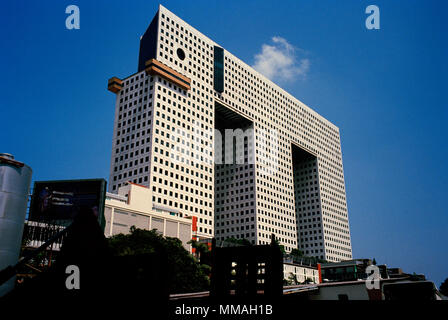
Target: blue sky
{"type": "Point", "coordinates": [385, 89]}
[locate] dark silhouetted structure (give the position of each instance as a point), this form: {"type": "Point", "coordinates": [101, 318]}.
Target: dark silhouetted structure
{"type": "Point", "coordinates": [247, 271]}
{"type": "Point", "coordinates": [102, 275]}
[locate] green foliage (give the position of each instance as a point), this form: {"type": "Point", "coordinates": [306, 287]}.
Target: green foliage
{"type": "Point", "coordinates": [444, 287]}
{"type": "Point", "coordinates": [282, 247]}
{"type": "Point", "coordinates": [374, 262]}
{"type": "Point", "coordinates": [241, 242]}
{"type": "Point", "coordinates": [308, 280]}
{"type": "Point", "coordinates": [296, 253]}
{"type": "Point", "coordinates": [322, 261]}
{"type": "Point", "coordinates": [187, 274]}
{"type": "Point", "coordinates": [200, 248]}
{"type": "Point", "coordinates": [299, 256]}
{"type": "Point", "coordinates": [292, 279]}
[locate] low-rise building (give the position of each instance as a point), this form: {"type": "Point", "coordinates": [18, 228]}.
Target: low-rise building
{"type": "Point", "coordinates": [300, 273]}
{"type": "Point", "coordinates": [132, 206]}
{"type": "Point", "coordinates": [350, 270]}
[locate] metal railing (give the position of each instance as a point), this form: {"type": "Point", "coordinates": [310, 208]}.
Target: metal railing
{"type": "Point", "coordinates": [11, 271]}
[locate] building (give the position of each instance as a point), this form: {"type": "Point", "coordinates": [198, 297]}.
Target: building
{"type": "Point", "coordinates": [351, 270]}
{"type": "Point", "coordinates": [300, 272]}
{"type": "Point", "coordinates": [130, 207]}
{"type": "Point", "coordinates": [402, 289]}
{"type": "Point", "coordinates": [389, 289]}
{"type": "Point", "coordinates": [214, 139]}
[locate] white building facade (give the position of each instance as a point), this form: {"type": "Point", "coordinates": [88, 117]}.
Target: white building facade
{"type": "Point", "coordinates": [285, 175]}
{"type": "Point", "coordinates": [130, 208]}
{"type": "Point", "coordinates": [301, 273]}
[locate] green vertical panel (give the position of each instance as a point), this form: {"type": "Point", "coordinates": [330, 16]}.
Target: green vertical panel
{"type": "Point", "coordinates": [218, 69]}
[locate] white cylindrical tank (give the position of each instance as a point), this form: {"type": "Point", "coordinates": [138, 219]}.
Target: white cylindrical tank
{"type": "Point", "coordinates": [15, 179]}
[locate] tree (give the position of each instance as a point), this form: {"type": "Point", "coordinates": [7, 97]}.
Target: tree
{"type": "Point", "coordinates": [292, 279]}
{"type": "Point", "coordinates": [282, 247]}
{"type": "Point", "coordinates": [444, 287]}
{"type": "Point", "coordinates": [241, 242]}
{"type": "Point", "coordinates": [296, 253]}
{"type": "Point", "coordinates": [200, 248]}
{"type": "Point", "coordinates": [374, 262]}
{"type": "Point", "coordinates": [187, 275]}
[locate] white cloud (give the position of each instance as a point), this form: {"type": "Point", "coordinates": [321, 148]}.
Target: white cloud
{"type": "Point", "coordinates": [280, 61]}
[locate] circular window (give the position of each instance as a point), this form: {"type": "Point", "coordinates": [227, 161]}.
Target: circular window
{"type": "Point", "coordinates": [180, 54]}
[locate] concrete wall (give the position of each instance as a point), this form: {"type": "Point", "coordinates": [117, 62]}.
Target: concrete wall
{"type": "Point", "coordinates": [353, 291]}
